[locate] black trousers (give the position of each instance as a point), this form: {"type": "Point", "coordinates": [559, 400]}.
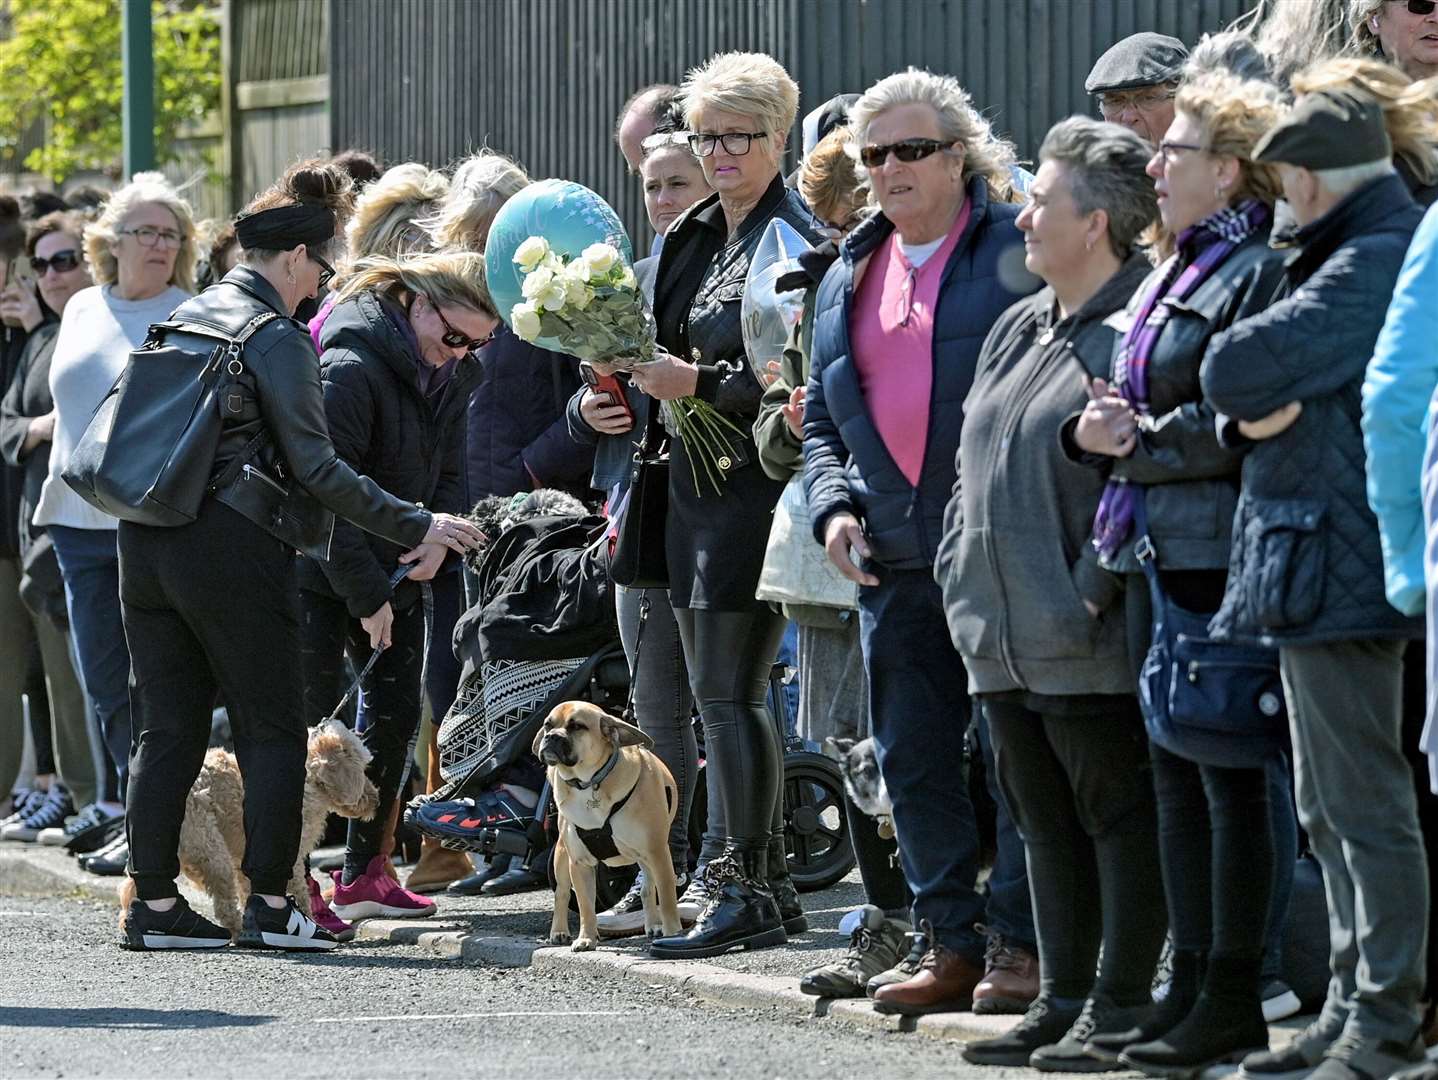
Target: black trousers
{"type": "Point", "coordinates": [390, 703]}
{"type": "Point", "coordinates": [211, 607]}
{"type": "Point", "coordinates": [1218, 854]}
{"type": "Point", "coordinates": [729, 655]}
{"type": "Point", "coordinates": [1080, 789]}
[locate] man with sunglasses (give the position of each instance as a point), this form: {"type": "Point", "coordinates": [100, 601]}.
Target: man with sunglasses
{"type": "Point", "coordinates": [1135, 82]}
{"type": "Point", "coordinates": [1403, 31]}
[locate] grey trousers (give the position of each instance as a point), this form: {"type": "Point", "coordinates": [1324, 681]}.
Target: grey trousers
{"type": "Point", "coordinates": [1355, 799]}
{"type": "Point", "coordinates": [664, 708]}
{"type": "Point", "coordinates": [833, 688]}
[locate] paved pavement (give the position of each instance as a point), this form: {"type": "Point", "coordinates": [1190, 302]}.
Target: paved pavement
{"type": "Point", "coordinates": [470, 992]}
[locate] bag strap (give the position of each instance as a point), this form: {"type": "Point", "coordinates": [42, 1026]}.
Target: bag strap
{"type": "Point", "coordinates": [1145, 553]}
{"type": "Point", "coordinates": [190, 326]}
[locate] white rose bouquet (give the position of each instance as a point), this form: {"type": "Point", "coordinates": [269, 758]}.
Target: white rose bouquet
{"type": "Point", "coordinates": [591, 306]}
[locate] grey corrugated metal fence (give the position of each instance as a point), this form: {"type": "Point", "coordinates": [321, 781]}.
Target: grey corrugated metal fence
{"type": "Point", "coordinates": [542, 79]}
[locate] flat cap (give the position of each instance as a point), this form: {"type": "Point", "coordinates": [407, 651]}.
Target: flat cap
{"type": "Point", "coordinates": [825, 119]}
{"type": "Point", "coordinates": [1145, 59]}
{"type": "Point", "coordinates": [1328, 129]}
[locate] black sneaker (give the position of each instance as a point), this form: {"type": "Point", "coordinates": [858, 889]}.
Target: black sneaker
{"type": "Point", "coordinates": [91, 820]}
{"type": "Point", "coordinates": [285, 928]}
{"type": "Point", "coordinates": [100, 836]}
{"type": "Point", "coordinates": [109, 861]}
{"type": "Point", "coordinates": [1043, 1024]}
{"type": "Point", "coordinates": [179, 928]}
{"type": "Point", "coordinates": [46, 815]}
{"type": "Point", "coordinates": [22, 801]}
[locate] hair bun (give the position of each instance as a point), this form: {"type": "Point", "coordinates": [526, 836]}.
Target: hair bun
{"type": "Point", "coordinates": [317, 182]}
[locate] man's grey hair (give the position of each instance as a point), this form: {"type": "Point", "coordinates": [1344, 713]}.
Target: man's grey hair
{"type": "Point", "coordinates": [1231, 50]}
{"type": "Point", "coordinates": [1350, 178]}
{"type": "Point", "coordinates": [985, 153]}
{"type": "Point", "coordinates": [1104, 163]}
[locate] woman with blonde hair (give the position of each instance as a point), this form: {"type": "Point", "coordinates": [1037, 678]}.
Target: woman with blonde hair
{"type": "Point", "coordinates": [397, 368]}
{"type": "Point", "coordinates": [388, 222]}
{"type": "Point", "coordinates": [141, 253]}
{"type": "Point", "coordinates": [211, 606]}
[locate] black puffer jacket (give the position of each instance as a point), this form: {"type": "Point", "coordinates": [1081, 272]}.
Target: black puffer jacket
{"type": "Point", "coordinates": [1306, 565]}
{"type": "Point", "coordinates": [1191, 479]}
{"type": "Point", "coordinates": [28, 397]}
{"type": "Point", "coordinates": [386, 428]}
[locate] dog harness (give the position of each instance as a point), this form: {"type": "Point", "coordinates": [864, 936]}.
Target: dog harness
{"type": "Point", "coordinates": [600, 841]}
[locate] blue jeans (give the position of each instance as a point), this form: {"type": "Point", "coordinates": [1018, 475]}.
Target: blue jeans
{"type": "Point", "coordinates": [1010, 907]}
{"type": "Point", "coordinates": [90, 564]}
{"type": "Point", "coordinates": [919, 704]}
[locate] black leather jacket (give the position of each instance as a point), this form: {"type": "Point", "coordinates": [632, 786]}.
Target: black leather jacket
{"type": "Point", "coordinates": [291, 484]}
{"type": "Point", "coordinates": [1191, 480]}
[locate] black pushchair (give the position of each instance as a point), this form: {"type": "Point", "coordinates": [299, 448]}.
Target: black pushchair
{"type": "Point", "coordinates": [541, 630]}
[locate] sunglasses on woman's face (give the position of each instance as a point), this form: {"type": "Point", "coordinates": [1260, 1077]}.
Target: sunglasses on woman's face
{"type": "Point", "coordinates": [1422, 7]}
{"type": "Point", "coordinates": [907, 151]}
{"type": "Point", "coordinates": [62, 262]}
{"type": "Point", "coordinates": [453, 339]}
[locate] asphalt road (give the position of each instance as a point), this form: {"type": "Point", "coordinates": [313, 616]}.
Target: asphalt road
{"type": "Point", "coordinates": [73, 1004]}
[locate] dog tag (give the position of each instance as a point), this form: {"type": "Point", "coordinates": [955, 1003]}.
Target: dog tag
{"type": "Point", "coordinates": [592, 802]}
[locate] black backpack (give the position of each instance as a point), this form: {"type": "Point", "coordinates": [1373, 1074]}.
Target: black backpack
{"type": "Point", "coordinates": [147, 453]}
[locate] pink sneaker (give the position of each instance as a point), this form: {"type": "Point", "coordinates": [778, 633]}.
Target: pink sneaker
{"type": "Point", "coordinates": [323, 916]}
{"type": "Point", "coordinates": [374, 894]}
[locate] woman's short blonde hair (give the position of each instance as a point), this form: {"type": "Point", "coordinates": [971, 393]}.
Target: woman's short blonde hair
{"type": "Point", "coordinates": [481, 185]}
{"type": "Point", "coordinates": [446, 278]}
{"type": "Point", "coordinates": [985, 153]}
{"type": "Point", "coordinates": [1233, 114]}
{"type": "Point", "coordinates": [747, 84]}
{"type": "Point", "coordinates": [387, 215]}
{"type": "Point", "coordinates": [144, 189]}
{"type": "Point", "coordinates": [1365, 41]}
{"type": "Point", "coordinates": [1410, 109]}
{"type": "Point", "coordinates": [828, 180]}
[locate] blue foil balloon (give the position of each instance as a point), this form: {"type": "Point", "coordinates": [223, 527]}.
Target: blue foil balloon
{"type": "Point", "coordinates": [568, 215]}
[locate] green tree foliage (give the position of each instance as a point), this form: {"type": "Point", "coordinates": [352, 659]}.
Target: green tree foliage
{"type": "Point", "coordinates": [62, 60]}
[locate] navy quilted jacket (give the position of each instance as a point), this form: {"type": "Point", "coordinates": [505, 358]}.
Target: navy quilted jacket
{"type": "Point", "coordinates": [1306, 566]}
{"type": "Point", "coordinates": [846, 464]}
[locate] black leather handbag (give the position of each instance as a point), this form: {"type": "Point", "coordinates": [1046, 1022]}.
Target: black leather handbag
{"type": "Point", "coordinates": [1218, 703]}
{"type": "Point", "coordinates": [639, 561]}
{"type": "Point", "coordinates": [147, 453]}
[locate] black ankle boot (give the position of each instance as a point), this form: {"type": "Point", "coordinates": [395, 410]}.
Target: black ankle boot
{"type": "Point", "coordinates": [786, 896]}
{"type": "Point", "coordinates": [740, 914]}
{"type": "Point", "coordinates": [1226, 1024]}
{"type": "Point", "coordinates": [1183, 989]}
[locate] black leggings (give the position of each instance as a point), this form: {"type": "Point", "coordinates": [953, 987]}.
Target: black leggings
{"type": "Point", "coordinates": [729, 655]}
{"type": "Point", "coordinates": [390, 709]}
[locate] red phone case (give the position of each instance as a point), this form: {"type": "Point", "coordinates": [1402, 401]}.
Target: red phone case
{"type": "Point", "coordinates": [608, 385]}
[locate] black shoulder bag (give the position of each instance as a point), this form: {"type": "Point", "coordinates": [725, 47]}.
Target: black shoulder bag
{"type": "Point", "coordinates": [639, 561]}
{"type": "Point", "coordinates": [147, 453]}
{"type": "Point", "coordinates": [1217, 703]}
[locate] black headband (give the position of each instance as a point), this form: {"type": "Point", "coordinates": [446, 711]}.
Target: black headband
{"type": "Point", "coordinates": [285, 227]}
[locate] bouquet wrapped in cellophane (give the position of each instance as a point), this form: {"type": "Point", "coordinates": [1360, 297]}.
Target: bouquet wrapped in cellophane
{"type": "Point", "coordinates": [591, 306]}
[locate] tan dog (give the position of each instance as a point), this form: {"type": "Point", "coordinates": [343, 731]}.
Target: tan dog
{"type": "Point", "coordinates": [616, 801]}
{"type": "Point", "coordinates": [212, 837]}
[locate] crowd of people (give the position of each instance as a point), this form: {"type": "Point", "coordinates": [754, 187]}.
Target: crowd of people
{"type": "Point", "coordinates": [1121, 465]}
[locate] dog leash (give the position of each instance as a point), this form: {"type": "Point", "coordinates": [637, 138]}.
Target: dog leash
{"type": "Point", "coordinates": [394, 580]}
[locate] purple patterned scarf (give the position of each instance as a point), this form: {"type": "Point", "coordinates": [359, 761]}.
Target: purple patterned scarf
{"type": "Point", "coordinates": [1202, 248]}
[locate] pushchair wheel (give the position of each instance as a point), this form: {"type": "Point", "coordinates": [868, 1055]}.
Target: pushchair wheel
{"type": "Point", "coordinates": [816, 830]}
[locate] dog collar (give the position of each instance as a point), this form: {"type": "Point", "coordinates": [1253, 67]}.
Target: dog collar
{"type": "Point", "coordinates": [598, 778]}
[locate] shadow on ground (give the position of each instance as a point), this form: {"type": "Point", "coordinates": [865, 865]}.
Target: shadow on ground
{"type": "Point", "coordinates": [120, 1018]}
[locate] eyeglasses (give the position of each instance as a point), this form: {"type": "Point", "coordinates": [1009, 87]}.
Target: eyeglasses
{"type": "Point", "coordinates": [62, 262]}
{"type": "Point", "coordinates": [735, 143]}
{"type": "Point", "coordinates": [453, 339]}
{"type": "Point", "coordinates": [1115, 105]}
{"type": "Point", "coordinates": [907, 150]}
{"type": "Point", "coordinates": [327, 272]}
{"type": "Point", "coordinates": [150, 237]}
{"type": "Point", "coordinates": [1422, 7]}
{"type": "Point", "coordinates": [1166, 150]}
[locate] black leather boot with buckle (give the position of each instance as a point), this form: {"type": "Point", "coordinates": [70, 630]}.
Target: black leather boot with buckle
{"type": "Point", "coordinates": [786, 896]}
{"type": "Point", "coordinates": [741, 913]}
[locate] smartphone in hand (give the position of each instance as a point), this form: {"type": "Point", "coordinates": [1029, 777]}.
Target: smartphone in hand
{"type": "Point", "coordinates": [607, 386]}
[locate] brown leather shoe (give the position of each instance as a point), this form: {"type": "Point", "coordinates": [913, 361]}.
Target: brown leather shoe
{"type": "Point", "coordinates": [1011, 978]}
{"type": "Point", "coordinates": [945, 983]}
{"type": "Point", "coordinates": [437, 868]}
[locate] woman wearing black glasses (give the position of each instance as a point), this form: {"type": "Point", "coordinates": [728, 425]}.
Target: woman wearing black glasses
{"type": "Point", "coordinates": [739, 107]}
{"type": "Point", "coordinates": [211, 606]}
{"type": "Point", "coordinates": [900, 318]}
{"type": "Point", "coordinates": [398, 368]}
